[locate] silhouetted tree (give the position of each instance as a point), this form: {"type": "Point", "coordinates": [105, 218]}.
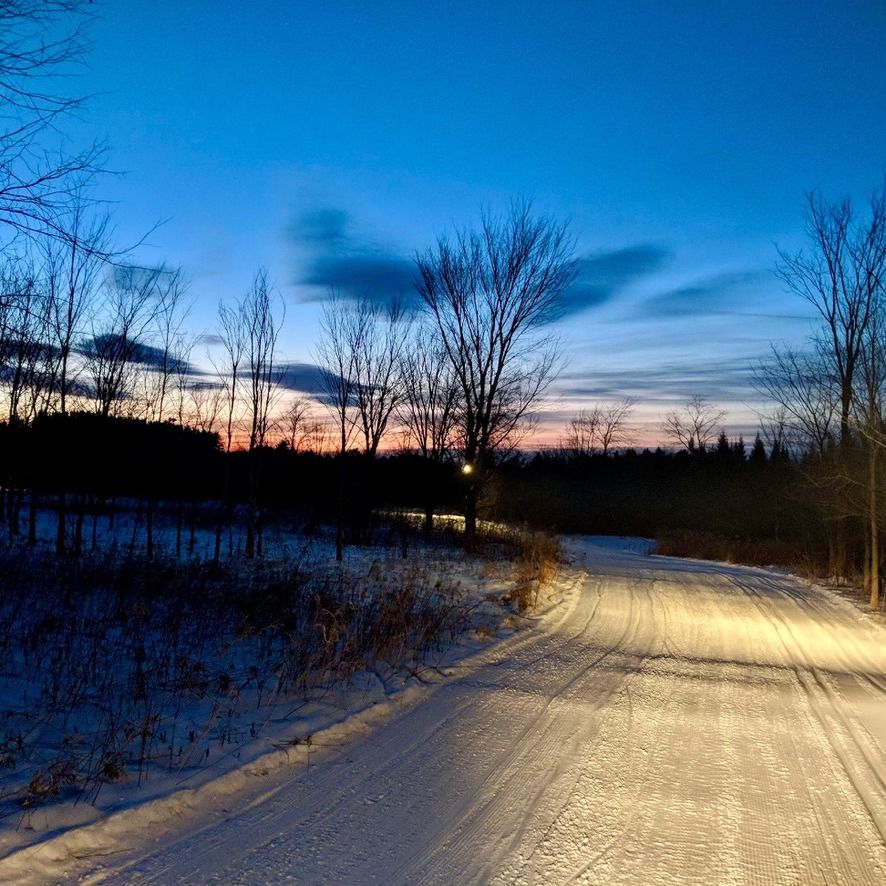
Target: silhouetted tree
{"type": "Point", "coordinates": [114, 351]}
{"type": "Point", "coordinates": [490, 293]}
{"type": "Point", "coordinates": [41, 41]}
{"type": "Point", "coordinates": [262, 328]}
{"type": "Point", "coordinates": [692, 427]}
{"type": "Point", "coordinates": [294, 422]}
{"type": "Point", "coordinates": [758, 452]}
{"type": "Point", "coordinates": [70, 270]}
{"type": "Point", "coordinates": [376, 336]}
{"type": "Point", "coordinates": [430, 407]}
{"type": "Point", "coordinates": [602, 427]}
{"type": "Point", "coordinates": [336, 358]}
{"type": "Point", "coordinates": [169, 317]}
{"type": "Point", "coordinates": [841, 275]}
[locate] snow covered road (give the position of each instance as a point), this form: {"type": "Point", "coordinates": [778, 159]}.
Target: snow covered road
{"type": "Point", "coordinates": [683, 723]}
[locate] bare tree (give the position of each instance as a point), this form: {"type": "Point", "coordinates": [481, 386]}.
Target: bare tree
{"type": "Point", "coordinates": [614, 428]}
{"type": "Point", "coordinates": [430, 406]}
{"type": "Point", "coordinates": [490, 293]}
{"type": "Point", "coordinates": [430, 396]}
{"type": "Point", "coordinates": [71, 270]}
{"type": "Point", "coordinates": [183, 380]}
{"type": "Point", "coordinates": [261, 329]}
{"type": "Point", "coordinates": [20, 330]}
{"type": "Point", "coordinates": [203, 405]}
{"type": "Point", "coordinates": [296, 424]}
{"type": "Point", "coordinates": [377, 336]}
{"type": "Point", "coordinates": [113, 352]}
{"type": "Point", "coordinates": [232, 337]}
{"type": "Point", "coordinates": [800, 383]}
{"type": "Point", "coordinates": [694, 426]}
{"type": "Point", "coordinates": [775, 431]}
{"type": "Point", "coordinates": [602, 426]}
{"type": "Point", "coordinates": [582, 433]}
{"type": "Point", "coordinates": [336, 358]}
{"type": "Point", "coordinates": [169, 318]}
{"type": "Point", "coordinates": [841, 275]}
{"type": "Point", "coordinates": [870, 416]}
{"type": "Point", "coordinates": [41, 41]}
{"type": "Point", "coordinates": [317, 437]}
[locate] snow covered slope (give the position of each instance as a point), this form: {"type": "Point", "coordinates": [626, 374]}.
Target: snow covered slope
{"type": "Point", "coordinates": [683, 723]}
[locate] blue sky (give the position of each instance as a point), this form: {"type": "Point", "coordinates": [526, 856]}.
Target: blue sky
{"type": "Point", "coordinates": [329, 141]}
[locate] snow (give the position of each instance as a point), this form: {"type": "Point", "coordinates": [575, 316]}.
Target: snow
{"type": "Point", "coordinates": [671, 722]}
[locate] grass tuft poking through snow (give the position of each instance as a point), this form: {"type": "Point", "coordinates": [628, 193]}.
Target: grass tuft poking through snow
{"type": "Point", "coordinates": [114, 668]}
{"type": "Point", "coordinates": [532, 557]}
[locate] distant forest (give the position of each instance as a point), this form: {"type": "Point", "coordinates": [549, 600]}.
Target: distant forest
{"type": "Point", "coordinates": [752, 503]}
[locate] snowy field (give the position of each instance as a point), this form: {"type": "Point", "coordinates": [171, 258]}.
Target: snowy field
{"type": "Point", "coordinates": [125, 683]}
{"type": "Point", "coordinates": [671, 722]}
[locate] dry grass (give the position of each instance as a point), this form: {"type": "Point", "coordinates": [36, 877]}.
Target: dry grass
{"type": "Point", "coordinates": [749, 552]}
{"type": "Point", "coordinates": [113, 667]}
{"type": "Point", "coordinates": [532, 558]}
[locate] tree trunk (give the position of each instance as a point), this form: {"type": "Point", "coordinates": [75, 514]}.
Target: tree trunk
{"type": "Point", "coordinates": [259, 533]}
{"type": "Point", "coordinates": [339, 511]}
{"type": "Point", "coordinates": [471, 511]}
{"type": "Point", "coordinates": [149, 529]}
{"type": "Point", "coordinates": [250, 531]}
{"type": "Point", "coordinates": [12, 511]}
{"type": "Point", "coordinates": [78, 526]}
{"type": "Point", "coordinates": [15, 510]}
{"type": "Point", "coordinates": [866, 570]}
{"type": "Point", "coordinates": [192, 529]}
{"type": "Point", "coordinates": [94, 541]}
{"type": "Point", "coordinates": [32, 519]}
{"type": "Point", "coordinates": [874, 527]}
{"type": "Point", "coordinates": [60, 525]}
{"type": "Point", "coordinates": [179, 519]}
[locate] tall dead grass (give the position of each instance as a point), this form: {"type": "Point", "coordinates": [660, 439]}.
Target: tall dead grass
{"type": "Point", "coordinates": [749, 552]}
{"type": "Point", "coordinates": [534, 556]}
{"type": "Point", "coordinates": [113, 667]}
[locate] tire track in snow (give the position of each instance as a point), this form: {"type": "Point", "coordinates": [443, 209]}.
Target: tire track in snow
{"type": "Point", "coordinates": [670, 728]}
{"type": "Point", "coordinates": [848, 743]}
{"type": "Point", "coordinates": [622, 687]}
{"type": "Point", "coordinates": [500, 800]}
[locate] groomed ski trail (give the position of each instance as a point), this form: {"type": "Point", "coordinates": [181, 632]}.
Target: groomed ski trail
{"type": "Point", "coordinates": [686, 723]}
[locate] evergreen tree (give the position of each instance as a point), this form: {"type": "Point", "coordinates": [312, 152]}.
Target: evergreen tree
{"type": "Point", "coordinates": [758, 452]}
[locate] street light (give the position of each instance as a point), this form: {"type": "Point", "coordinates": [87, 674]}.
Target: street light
{"type": "Point", "coordinates": [467, 468]}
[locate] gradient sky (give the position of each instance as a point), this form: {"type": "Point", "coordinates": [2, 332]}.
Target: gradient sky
{"type": "Point", "coordinates": [329, 141]}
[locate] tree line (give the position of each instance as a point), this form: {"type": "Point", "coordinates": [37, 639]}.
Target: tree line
{"type": "Point", "coordinates": [829, 397]}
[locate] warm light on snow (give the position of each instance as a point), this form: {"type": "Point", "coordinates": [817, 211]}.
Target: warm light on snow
{"type": "Point", "coordinates": [672, 722]}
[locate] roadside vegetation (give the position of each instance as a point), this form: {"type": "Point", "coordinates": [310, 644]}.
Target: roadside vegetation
{"type": "Point", "coordinates": [119, 668]}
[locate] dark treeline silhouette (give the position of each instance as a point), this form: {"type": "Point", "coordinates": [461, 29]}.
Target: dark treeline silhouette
{"type": "Point", "coordinates": [723, 492]}
{"type": "Point", "coordinates": [100, 464]}
{"type": "Point", "coordinates": [741, 496]}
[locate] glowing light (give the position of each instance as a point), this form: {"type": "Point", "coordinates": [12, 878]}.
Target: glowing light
{"type": "Point", "coordinates": [467, 469]}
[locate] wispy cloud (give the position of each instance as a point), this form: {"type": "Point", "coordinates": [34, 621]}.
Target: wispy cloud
{"type": "Point", "coordinates": [604, 275]}
{"type": "Point", "coordinates": [331, 257]}
{"type": "Point", "coordinates": [146, 355]}
{"type": "Point", "coordinates": [305, 378]}
{"type": "Point", "coordinates": [711, 295]}
{"type": "Point", "coordinates": [722, 381]}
